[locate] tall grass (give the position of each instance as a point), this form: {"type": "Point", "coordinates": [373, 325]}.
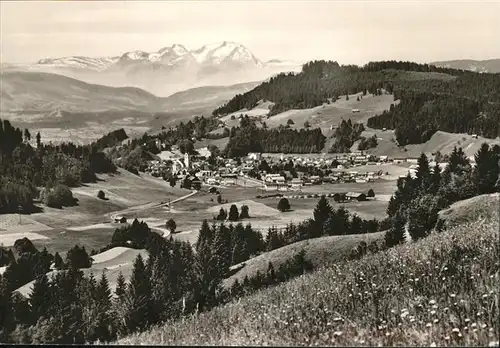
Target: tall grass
{"type": "Point", "coordinates": [442, 290]}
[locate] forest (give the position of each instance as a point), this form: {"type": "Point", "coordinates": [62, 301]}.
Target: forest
{"type": "Point", "coordinates": [249, 138]}
{"type": "Point", "coordinates": [54, 168]}
{"type": "Point", "coordinates": [435, 98]}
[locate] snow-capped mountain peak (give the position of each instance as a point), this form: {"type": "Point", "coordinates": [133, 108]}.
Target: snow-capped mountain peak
{"type": "Point", "coordinates": [217, 53]}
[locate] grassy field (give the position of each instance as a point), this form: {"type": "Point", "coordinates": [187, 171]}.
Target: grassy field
{"type": "Point", "coordinates": [319, 251]}
{"type": "Point", "coordinates": [89, 223]}
{"type": "Point", "coordinates": [484, 207]}
{"type": "Point", "coordinates": [441, 291]}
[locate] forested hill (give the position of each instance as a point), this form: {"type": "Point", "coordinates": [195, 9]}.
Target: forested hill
{"type": "Point", "coordinates": [425, 91]}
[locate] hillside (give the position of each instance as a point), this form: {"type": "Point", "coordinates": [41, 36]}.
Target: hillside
{"type": "Point", "coordinates": [64, 108]}
{"type": "Point", "coordinates": [319, 251]}
{"type": "Point", "coordinates": [204, 96]}
{"type": "Point", "coordinates": [482, 207]}
{"type": "Point", "coordinates": [427, 95]}
{"type": "Point", "coordinates": [439, 291]}
{"type": "Point", "coordinates": [485, 66]}
{"type": "Point", "coordinates": [45, 92]}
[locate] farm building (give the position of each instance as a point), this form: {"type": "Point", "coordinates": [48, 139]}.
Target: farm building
{"type": "Point", "coordinates": [120, 219]}
{"type": "Point", "coordinates": [351, 196]}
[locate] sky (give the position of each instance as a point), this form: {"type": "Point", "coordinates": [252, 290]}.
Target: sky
{"type": "Point", "coordinates": [350, 32]}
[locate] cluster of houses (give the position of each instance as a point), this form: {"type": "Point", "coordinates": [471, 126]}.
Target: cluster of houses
{"type": "Point", "coordinates": [339, 168]}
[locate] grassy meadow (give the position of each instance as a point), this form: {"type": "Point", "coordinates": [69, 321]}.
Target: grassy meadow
{"type": "Point", "coordinates": [440, 291]}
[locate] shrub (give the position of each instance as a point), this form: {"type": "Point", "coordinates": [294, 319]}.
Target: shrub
{"type": "Point", "coordinates": [171, 225]}
{"type": "Point", "coordinates": [58, 197]}
{"type": "Point", "coordinates": [370, 193]}
{"type": "Point", "coordinates": [233, 213]}
{"type": "Point", "coordinates": [244, 212]}
{"type": "Point", "coordinates": [283, 205]}
{"type": "Point", "coordinates": [101, 194]}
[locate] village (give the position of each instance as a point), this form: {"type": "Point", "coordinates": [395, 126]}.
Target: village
{"type": "Point", "coordinates": [279, 172]}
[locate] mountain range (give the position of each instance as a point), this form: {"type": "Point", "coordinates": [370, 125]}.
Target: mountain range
{"type": "Point", "coordinates": [482, 66]}
{"type": "Point", "coordinates": [167, 71]}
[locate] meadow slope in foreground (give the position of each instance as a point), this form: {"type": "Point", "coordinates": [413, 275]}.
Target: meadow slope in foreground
{"type": "Point", "coordinates": [442, 291]}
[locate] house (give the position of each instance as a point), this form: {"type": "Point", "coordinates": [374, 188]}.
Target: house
{"type": "Point", "coordinates": [229, 181]}
{"type": "Point", "coordinates": [120, 219]}
{"type": "Point", "coordinates": [315, 179]}
{"type": "Point", "coordinates": [275, 186]}
{"type": "Point", "coordinates": [296, 183]}
{"type": "Point", "coordinates": [474, 136]}
{"type": "Point", "coordinates": [355, 111]}
{"type": "Point", "coordinates": [355, 196]}
{"type": "Point", "coordinates": [212, 181]}
{"type": "Point", "coordinates": [254, 156]}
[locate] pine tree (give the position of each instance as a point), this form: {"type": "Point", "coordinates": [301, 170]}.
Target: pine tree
{"type": "Point", "coordinates": [244, 212]}
{"type": "Point", "coordinates": [58, 261]}
{"type": "Point", "coordinates": [435, 178]}
{"type": "Point", "coordinates": [423, 172]}
{"type": "Point", "coordinates": [38, 140]}
{"type": "Point", "coordinates": [396, 235]}
{"type": "Point", "coordinates": [486, 170]}
{"type": "Point", "coordinates": [138, 304]}
{"type": "Point", "coordinates": [321, 214]}
{"type": "Point", "coordinates": [103, 293]}
{"type": "Point", "coordinates": [121, 286]}
{"type": "Point", "coordinates": [233, 213]}
{"type": "Point", "coordinates": [222, 250]}
{"type": "Point", "coordinates": [40, 297]}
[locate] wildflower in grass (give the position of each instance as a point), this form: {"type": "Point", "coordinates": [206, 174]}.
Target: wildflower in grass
{"type": "Point", "coordinates": [493, 344]}
{"type": "Point", "coordinates": [433, 312]}
{"type": "Point", "coordinates": [432, 302]}
{"type": "Point", "coordinates": [473, 325]}
{"type": "Point", "coordinates": [453, 295]}
{"type": "Point", "coordinates": [428, 325]}
{"type": "Point", "coordinates": [455, 330]}
{"type": "Point", "coordinates": [433, 344]}
{"type": "Point", "coordinates": [447, 338]}
{"type": "Point", "coordinates": [436, 321]}
{"type": "Point", "coordinates": [337, 333]}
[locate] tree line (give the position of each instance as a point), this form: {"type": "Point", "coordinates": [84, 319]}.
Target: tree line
{"type": "Point", "coordinates": [415, 205]}
{"type": "Point", "coordinates": [420, 114]}
{"type": "Point", "coordinates": [55, 167]}
{"type": "Point", "coordinates": [249, 138]}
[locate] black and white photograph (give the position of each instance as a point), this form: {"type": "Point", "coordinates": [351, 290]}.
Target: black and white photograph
{"type": "Point", "coordinates": [250, 173]}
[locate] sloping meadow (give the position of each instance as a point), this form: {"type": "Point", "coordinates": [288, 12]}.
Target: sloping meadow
{"type": "Point", "coordinates": [440, 291]}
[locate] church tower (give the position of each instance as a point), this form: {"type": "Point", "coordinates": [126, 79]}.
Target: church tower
{"type": "Point", "coordinates": [186, 160]}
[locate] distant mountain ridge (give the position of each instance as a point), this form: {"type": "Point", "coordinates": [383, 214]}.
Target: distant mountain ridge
{"type": "Point", "coordinates": [167, 71]}
{"type": "Point", "coordinates": [482, 66]}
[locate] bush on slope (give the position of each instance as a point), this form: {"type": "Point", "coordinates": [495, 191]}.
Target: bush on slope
{"type": "Point", "coordinates": [442, 290]}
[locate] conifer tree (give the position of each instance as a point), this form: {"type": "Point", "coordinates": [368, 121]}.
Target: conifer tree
{"type": "Point", "coordinates": [423, 172]}
{"type": "Point", "coordinates": [233, 213]}
{"type": "Point", "coordinates": [138, 303]}
{"type": "Point", "coordinates": [121, 286]}
{"type": "Point", "coordinates": [396, 234]}
{"type": "Point", "coordinates": [321, 214]}
{"type": "Point", "coordinates": [40, 299]}
{"type": "Point", "coordinates": [486, 170]}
